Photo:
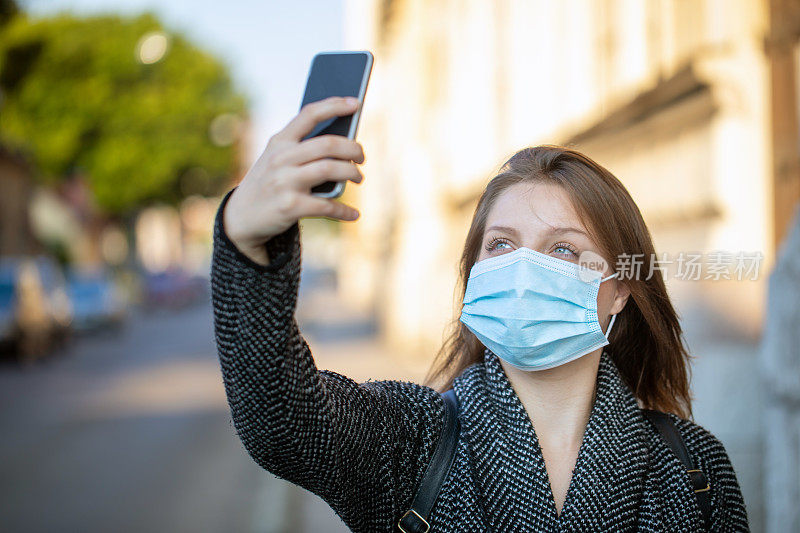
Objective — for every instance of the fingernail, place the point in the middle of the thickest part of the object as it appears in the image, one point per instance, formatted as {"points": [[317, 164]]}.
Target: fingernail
{"points": [[351, 101]]}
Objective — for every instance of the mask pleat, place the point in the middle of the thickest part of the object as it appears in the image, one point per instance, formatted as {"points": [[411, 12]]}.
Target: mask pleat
{"points": [[532, 309]]}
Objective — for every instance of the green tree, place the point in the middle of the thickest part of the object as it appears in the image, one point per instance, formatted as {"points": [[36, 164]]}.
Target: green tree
{"points": [[97, 95]]}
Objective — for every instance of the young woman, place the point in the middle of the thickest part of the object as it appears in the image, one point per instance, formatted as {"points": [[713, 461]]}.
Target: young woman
{"points": [[552, 433]]}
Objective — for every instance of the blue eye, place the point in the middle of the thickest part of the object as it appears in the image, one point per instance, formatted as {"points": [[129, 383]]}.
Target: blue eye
{"points": [[491, 245], [566, 249]]}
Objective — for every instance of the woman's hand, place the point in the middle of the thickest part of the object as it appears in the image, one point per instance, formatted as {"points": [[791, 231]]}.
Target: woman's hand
{"points": [[276, 192]]}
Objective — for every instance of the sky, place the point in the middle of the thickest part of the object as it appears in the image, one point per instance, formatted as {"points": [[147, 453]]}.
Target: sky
{"points": [[268, 44]]}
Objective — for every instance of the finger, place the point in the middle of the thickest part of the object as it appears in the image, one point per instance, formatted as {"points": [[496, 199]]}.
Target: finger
{"points": [[335, 146], [311, 114], [323, 170], [313, 206]]}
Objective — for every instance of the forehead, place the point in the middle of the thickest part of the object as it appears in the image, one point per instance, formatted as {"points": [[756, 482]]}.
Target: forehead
{"points": [[535, 206]]}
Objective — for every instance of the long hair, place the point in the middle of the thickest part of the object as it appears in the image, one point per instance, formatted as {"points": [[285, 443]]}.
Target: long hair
{"points": [[646, 343]]}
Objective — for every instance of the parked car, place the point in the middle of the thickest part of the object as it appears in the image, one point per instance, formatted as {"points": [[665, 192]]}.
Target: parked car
{"points": [[96, 301], [35, 314], [7, 308], [174, 289], [55, 287]]}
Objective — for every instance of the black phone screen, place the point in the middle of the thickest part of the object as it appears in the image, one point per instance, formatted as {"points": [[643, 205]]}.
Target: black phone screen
{"points": [[334, 75]]}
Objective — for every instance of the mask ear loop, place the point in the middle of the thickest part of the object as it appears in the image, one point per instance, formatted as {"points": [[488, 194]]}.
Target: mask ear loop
{"points": [[614, 275], [613, 317], [610, 323]]}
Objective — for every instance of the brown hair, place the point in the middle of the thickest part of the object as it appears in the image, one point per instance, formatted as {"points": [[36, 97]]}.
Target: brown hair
{"points": [[646, 343]]}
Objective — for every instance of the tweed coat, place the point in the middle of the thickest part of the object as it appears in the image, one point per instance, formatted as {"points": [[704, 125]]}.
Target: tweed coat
{"points": [[364, 447]]}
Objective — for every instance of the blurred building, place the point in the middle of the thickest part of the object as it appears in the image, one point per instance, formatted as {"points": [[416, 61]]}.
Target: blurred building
{"points": [[176, 238], [691, 103]]}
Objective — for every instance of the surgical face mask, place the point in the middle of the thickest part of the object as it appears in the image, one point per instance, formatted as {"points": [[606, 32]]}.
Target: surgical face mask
{"points": [[533, 310]]}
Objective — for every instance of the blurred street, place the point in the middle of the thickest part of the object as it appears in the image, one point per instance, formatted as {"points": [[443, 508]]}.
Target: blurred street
{"points": [[130, 431]]}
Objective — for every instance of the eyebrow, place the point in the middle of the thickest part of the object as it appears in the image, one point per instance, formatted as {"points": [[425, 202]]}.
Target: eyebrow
{"points": [[513, 231]]}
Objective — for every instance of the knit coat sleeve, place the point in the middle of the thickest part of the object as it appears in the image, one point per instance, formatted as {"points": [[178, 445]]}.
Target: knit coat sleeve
{"points": [[362, 447], [728, 510]]}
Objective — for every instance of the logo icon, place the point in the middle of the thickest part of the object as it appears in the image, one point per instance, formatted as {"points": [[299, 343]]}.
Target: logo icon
{"points": [[592, 261]]}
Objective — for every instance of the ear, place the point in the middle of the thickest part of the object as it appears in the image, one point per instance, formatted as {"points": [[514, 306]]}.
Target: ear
{"points": [[620, 297]]}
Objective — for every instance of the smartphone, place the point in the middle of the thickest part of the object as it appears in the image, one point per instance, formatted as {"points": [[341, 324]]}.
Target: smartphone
{"points": [[341, 73]]}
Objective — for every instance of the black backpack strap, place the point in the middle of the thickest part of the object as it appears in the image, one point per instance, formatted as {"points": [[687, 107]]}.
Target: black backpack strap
{"points": [[415, 520], [673, 438]]}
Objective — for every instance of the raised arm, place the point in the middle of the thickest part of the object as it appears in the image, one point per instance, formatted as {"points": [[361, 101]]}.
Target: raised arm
{"points": [[362, 447]]}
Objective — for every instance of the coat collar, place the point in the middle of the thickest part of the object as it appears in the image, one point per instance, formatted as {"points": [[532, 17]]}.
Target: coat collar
{"points": [[611, 472]]}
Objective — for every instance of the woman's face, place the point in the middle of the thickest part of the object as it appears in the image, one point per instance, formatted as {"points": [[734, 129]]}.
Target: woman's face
{"points": [[540, 216]]}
